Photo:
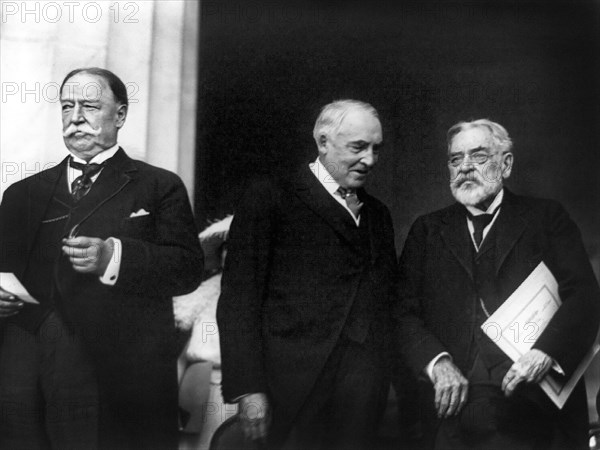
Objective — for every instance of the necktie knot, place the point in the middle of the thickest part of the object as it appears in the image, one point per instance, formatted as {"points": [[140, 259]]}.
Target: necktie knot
{"points": [[83, 183], [352, 201], [479, 223], [482, 220], [346, 192], [87, 169]]}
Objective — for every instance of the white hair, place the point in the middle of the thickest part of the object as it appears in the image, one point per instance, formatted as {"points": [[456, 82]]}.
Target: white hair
{"points": [[332, 115], [500, 137]]}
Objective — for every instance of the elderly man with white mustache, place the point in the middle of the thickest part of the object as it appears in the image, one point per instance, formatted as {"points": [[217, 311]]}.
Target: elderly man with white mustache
{"points": [[459, 264], [103, 242]]}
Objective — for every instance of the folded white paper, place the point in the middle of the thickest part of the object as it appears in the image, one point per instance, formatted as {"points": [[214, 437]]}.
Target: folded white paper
{"points": [[519, 321], [9, 282]]}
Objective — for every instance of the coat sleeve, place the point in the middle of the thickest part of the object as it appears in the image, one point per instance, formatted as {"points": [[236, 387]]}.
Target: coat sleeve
{"points": [[171, 263], [573, 328], [12, 244], [418, 345], [243, 291]]}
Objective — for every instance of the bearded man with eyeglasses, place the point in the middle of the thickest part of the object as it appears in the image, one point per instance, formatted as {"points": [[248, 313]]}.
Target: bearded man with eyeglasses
{"points": [[459, 264]]}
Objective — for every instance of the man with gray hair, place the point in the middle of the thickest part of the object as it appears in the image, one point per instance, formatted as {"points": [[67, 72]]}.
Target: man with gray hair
{"points": [[306, 294], [459, 264], [102, 242]]}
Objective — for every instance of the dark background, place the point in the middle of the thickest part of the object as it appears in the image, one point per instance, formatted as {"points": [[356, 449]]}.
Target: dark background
{"points": [[266, 68]]}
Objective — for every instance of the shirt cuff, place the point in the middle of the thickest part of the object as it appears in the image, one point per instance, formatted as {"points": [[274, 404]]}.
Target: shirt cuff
{"points": [[429, 367], [556, 367], [111, 274]]}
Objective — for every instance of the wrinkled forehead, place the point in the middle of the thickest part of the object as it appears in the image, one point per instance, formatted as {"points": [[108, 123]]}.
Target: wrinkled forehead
{"points": [[471, 139], [85, 86]]}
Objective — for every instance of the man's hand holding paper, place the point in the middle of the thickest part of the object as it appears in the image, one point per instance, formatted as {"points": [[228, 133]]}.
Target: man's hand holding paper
{"points": [[9, 304], [531, 307], [12, 295], [530, 368]]}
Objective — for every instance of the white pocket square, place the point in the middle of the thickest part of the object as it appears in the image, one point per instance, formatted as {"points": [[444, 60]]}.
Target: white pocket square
{"points": [[141, 212]]}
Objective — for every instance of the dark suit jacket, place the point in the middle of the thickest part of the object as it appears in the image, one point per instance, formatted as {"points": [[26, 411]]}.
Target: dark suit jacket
{"points": [[128, 328], [438, 295], [291, 277]]}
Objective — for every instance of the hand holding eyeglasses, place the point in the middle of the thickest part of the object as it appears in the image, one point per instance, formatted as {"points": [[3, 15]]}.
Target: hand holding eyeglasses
{"points": [[88, 254]]}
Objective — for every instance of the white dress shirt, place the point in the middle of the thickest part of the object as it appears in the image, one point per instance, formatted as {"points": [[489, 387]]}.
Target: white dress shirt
{"points": [[111, 274], [325, 178], [477, 212]]}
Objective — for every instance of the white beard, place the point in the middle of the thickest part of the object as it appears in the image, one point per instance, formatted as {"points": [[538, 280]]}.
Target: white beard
{"points": [[474, 191]]}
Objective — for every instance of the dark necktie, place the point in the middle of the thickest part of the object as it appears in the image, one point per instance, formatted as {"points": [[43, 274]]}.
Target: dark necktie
{"points": [[354, 204], [83, 183], [479, 223]]}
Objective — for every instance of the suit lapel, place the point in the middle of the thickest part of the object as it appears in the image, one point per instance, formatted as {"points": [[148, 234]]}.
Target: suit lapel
{"points": [[39, 198], [113, 178], [509, 226], [456, 236], [308, 188]]}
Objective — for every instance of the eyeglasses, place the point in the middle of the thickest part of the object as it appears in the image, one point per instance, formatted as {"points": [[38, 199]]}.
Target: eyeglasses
{"points": [[475, 158]]}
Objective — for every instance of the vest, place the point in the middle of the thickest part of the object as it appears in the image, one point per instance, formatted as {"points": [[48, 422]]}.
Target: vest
{"points": [[39, 277], [358, 322], [488, 297]]}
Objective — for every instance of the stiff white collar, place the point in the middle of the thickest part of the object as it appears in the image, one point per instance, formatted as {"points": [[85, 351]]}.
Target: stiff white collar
{"points": [[324, 176], [100, 157], [494, 205]]}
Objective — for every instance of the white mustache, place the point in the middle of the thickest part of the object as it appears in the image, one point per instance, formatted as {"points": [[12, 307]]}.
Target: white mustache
{"points": [[72, 129], [460, 181]]}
